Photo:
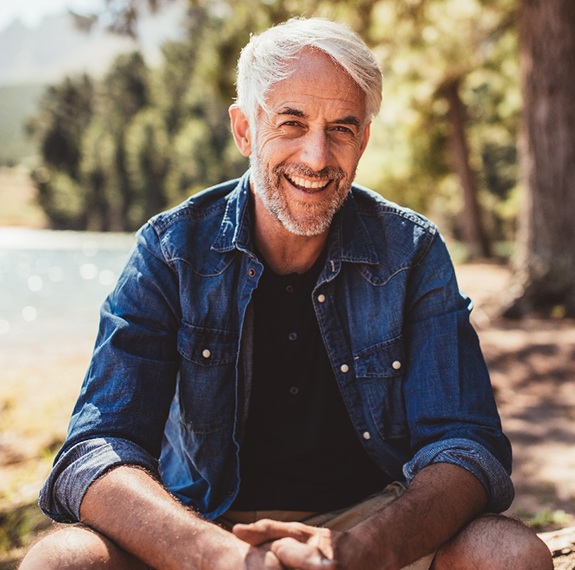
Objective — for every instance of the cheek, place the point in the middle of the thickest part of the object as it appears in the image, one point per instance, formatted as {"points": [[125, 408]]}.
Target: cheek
{"points": [[274, 148], [352, 155]]}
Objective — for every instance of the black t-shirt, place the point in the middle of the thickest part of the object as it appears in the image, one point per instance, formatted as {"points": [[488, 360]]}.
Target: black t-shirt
{"points": [[300, 451]]}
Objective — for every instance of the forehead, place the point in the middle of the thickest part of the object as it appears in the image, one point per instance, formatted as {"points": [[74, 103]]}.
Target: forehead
{"points": [[317, 83]]}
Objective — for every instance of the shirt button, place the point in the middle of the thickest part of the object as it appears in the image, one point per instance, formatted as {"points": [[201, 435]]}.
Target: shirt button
{"points": [[206, 353], [252, 272], [344, 368], [321, 298], [292, 336], [290, 289], [396, 365], [366, 435], [294, 390]]}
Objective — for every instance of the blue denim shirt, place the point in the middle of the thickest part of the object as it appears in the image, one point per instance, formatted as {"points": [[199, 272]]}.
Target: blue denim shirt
{"points": [[168, 386]]}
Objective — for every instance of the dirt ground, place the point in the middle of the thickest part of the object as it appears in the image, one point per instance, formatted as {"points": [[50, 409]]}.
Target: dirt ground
{"points": [[532, 365]]}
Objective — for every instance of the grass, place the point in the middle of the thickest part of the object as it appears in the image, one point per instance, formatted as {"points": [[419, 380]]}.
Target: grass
{"points": [[18, 526]]}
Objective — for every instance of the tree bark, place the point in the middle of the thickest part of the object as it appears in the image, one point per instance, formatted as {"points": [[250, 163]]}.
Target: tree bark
{"points": [[544, 276], [471, 225]]}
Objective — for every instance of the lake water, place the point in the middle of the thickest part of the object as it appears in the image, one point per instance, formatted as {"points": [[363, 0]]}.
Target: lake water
{"points": [[52, 283]]}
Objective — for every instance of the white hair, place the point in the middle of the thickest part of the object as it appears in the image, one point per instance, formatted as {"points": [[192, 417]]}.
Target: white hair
{"points": [[266, 59]]}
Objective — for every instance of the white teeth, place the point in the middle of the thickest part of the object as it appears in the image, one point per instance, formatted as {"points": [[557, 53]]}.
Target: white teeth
{"points": [[304, 183]]}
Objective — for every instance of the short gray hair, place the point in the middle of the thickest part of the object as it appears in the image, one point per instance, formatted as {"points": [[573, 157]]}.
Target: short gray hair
{"points": [[265, 60]]}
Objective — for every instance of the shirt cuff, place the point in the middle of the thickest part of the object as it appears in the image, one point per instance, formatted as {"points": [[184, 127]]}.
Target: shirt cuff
{"points": [[77, 468], [473, 457]]}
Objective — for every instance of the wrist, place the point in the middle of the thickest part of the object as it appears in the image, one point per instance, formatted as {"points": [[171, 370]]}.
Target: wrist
{"points": [[220, 550], [366, 548], [224, 551]]}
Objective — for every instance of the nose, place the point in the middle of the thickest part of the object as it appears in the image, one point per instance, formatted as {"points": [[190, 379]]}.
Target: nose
{"points": [[315, 151]]}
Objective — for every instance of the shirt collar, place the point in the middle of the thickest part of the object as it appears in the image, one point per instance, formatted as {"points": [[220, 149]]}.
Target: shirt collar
{"points": [[348, 239], [235, 229]]}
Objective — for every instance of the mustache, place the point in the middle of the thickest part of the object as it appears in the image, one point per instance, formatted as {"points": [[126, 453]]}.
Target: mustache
{"points": [[297, 169]]}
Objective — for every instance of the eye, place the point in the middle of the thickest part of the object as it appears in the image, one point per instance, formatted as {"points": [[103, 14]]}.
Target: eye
{"points": [[343, 129], [291, 124]]}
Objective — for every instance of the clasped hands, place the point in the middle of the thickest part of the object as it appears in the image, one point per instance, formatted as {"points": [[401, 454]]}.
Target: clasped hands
{"points": [[296, 545]]}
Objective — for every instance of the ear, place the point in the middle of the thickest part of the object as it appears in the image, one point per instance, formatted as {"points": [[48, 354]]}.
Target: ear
{"points": [[241, 130]]}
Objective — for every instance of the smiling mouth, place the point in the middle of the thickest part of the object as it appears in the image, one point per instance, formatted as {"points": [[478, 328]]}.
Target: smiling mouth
{"points": [[308, 185]]}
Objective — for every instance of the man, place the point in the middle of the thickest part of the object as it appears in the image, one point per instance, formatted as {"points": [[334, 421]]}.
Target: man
{"points": [[291, 348]]}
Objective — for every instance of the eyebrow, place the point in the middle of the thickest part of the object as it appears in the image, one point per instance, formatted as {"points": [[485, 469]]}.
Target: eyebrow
{"points": [[348, 120]]}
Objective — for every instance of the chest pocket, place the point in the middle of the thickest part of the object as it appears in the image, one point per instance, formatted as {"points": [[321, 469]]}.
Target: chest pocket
{"points": [[206, 387], [380, 370]]}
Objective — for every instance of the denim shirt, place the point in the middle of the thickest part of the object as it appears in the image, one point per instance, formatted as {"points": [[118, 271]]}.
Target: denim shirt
{"points": [[169, 382]]}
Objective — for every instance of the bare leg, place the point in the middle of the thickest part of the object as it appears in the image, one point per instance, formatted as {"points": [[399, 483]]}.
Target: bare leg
{"points": [[76, 548], [494, 542]]}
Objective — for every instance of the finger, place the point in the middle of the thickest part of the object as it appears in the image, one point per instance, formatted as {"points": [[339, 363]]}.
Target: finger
{"points": [[262, 559], [323, 540], [295, 554], [266, 530]]}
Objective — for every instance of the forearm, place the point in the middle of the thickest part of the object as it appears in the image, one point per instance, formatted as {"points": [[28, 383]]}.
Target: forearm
{"points": [[130, 507], [441, 499]]}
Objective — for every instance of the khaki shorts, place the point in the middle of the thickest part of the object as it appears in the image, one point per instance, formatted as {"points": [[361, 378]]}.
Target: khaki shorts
{"points": [[341, 520]]}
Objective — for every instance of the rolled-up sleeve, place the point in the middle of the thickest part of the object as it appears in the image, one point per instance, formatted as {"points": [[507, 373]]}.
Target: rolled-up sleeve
{"points": [[79, 466], [449, 399], [474, 458]]}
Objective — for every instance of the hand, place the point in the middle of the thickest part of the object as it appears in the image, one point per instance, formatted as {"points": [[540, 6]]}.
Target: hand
{"points": [[231, 553], [261, 558], [295, 545]]}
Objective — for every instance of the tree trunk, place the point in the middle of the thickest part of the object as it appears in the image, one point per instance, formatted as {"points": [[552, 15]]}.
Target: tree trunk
{"points": [[471, 225], [544, 277]]}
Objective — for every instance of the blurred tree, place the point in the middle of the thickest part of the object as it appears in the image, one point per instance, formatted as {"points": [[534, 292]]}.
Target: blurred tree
{"points": [[96, 169], [545, 264], [147, 158], [122, 94], [194, 100], [433, 56], [424, 55], [64, 112]]}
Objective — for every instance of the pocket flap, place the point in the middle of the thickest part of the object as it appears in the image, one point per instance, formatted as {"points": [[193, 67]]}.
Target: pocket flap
{"points": [[207, 347], [382, 360]]}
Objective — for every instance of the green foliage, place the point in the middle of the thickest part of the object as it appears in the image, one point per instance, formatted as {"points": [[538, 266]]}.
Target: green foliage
{"points": [[147, 160], [146, 138], [546, 519], [61, 197], [17, 526]]}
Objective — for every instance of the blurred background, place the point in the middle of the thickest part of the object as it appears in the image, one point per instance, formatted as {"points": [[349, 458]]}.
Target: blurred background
{"points": [[113, 110]]}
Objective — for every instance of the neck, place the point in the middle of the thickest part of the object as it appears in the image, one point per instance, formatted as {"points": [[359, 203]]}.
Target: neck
{"points": [[284, 251], [295, 256]]}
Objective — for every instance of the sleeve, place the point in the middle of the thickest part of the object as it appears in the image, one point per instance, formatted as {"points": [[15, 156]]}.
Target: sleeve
{"points": [[124, 402], [79, 466], [449, 399]]}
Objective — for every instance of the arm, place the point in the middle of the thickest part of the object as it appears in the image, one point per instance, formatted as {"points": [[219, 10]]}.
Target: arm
{"points": [[131, 508], [440, 501], [124, 401], [450, 407]]}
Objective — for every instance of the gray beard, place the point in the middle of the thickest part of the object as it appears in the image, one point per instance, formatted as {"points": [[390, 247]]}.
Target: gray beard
{"points": [[317, 218]]}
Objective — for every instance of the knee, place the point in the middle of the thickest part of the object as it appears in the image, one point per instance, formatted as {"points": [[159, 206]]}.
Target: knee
{"points": [[70, 548], [494, 542]]}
